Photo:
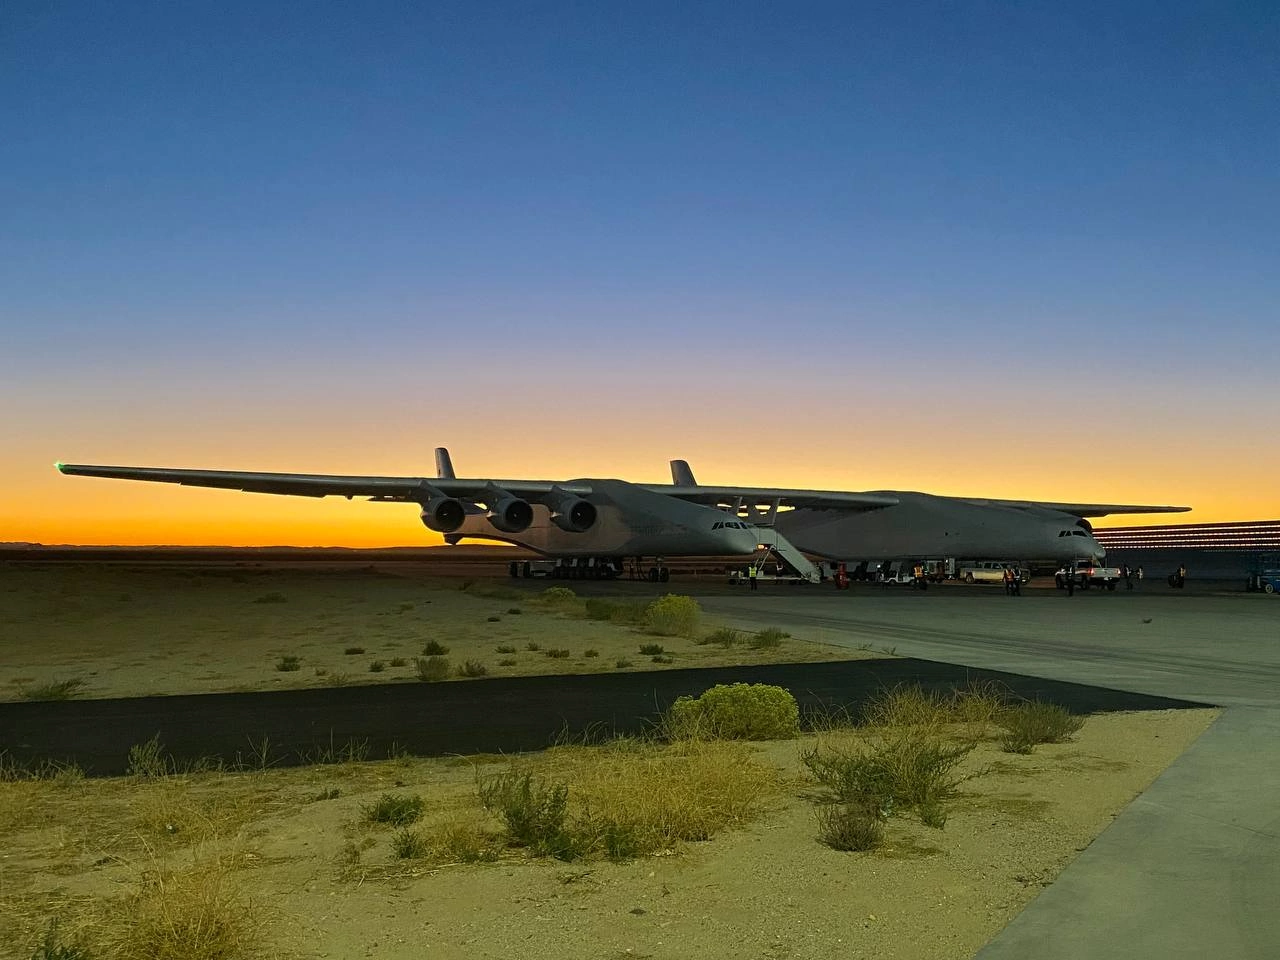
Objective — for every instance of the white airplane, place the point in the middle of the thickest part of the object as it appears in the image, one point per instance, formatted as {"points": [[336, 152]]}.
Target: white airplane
{"points": [[617, 519]]}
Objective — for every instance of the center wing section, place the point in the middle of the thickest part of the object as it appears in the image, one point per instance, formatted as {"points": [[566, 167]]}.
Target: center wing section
{"points": [[394, 489], [732, 497]]}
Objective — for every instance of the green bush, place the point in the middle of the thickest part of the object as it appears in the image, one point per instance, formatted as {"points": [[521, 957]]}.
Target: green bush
{"points": [[505, 648], [673, 616], [1027, 724], [54, 690], [533, 647], [589, 654], [849, 826], [288, 663], [622, 663], [534, 813], [514, 611], [353, 651], [554, 596], [598, 608], [652, 649], [377, 666], [397, 809], [434, 648], [739, 711], [432, 668], [473, 668], [557, 654], [507, 662], [399, 662], [663, 659]]}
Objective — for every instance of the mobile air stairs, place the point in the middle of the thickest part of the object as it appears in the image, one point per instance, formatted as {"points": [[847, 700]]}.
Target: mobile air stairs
{"points": [[774, 544]]}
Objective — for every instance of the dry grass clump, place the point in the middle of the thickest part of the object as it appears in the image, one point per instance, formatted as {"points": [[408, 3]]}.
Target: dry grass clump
{"points": [[54, 689], [627, 798], [770, 638], [432, 669], [1028, 724], [193, 914], [614, 611], [975, 707]]}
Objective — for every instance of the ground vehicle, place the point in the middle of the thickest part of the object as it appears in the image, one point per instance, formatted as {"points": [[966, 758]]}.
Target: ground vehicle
{"points": [[989, 571], [1087, 574], [1264, 575]]}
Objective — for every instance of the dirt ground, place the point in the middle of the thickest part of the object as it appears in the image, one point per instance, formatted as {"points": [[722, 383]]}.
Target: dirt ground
{"points": [[145, 630], [329, 884], [292, 847]]}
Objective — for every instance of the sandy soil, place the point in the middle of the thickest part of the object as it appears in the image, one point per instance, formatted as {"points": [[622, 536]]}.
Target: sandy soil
{"points": [[766, 889], [144, 630]]}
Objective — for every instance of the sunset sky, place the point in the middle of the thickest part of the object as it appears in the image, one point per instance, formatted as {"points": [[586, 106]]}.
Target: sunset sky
{"points": [[1025, 251]]}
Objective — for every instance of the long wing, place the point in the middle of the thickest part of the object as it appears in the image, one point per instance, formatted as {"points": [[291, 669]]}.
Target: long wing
{"points": [[325, 485], [813, 499], [1082, 509]]}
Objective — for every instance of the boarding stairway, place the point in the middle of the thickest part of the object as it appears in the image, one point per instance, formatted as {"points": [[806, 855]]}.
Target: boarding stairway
{"points": [[772, 543]]}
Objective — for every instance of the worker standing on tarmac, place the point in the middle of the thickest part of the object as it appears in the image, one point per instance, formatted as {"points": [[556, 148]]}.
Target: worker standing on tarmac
{"points": [[753, 576]]}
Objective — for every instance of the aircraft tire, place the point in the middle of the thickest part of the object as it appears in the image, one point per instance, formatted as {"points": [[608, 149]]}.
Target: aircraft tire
{"points": [[653, 574], [1269, 588], [664, 574], [968, 578]]}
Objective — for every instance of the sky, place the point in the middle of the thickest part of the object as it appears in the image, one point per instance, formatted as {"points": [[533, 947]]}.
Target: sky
{"points": [[1019, 251]]}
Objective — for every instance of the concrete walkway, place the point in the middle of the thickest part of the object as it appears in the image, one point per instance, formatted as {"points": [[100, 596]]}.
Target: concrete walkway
{"points": [[1192, 867]]}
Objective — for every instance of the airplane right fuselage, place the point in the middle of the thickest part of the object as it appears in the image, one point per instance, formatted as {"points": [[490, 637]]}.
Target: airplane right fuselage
{"points": [[921, 525]]}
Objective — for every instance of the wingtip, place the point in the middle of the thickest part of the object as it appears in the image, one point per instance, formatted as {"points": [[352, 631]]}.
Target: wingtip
{"points": [[60, 467]]}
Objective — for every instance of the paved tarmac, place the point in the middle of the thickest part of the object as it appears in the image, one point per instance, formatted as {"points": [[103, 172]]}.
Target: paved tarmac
{"points": [[1192, 867], [500, 715]]}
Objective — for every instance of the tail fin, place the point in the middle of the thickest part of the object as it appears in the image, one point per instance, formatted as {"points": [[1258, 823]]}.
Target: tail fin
{"points": [[444, 466], [681, 475]]}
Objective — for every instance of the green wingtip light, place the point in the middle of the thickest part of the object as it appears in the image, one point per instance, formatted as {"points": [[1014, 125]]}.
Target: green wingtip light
{"points": [[58, 466]]}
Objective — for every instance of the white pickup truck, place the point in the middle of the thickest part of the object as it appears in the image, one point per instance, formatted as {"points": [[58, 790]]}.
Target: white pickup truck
{"points": [[1087, 573]]}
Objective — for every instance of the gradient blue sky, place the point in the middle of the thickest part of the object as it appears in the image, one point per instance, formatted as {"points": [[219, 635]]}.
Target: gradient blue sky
{"points": [[582, 238]]}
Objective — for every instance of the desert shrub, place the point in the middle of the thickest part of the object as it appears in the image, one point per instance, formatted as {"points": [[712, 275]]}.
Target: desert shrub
{"points": [[910, 769], [506, 648], [769, 638], [724, 637], [493, 619], [409, 845], [739, 711], [557, 653], [663, 659], [54, 690], [399, 662], [147, 761], [465, 843], [404, 607], [431, 668], [271, 598], [514, 611], [622, 663], [554, 596], [397, 809], [534, 812], [333, 793], [353, 651], [673, 616], [377, 666], [338, 679], [288, 663], [534, 647], [590, 654], [433, 648], [473, 668], [1027, 724], [910, 705], [507, 662], [652, 649], [849, 826]]}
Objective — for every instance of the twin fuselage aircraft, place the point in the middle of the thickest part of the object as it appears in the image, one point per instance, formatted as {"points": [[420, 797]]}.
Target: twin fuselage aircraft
{"points": [[619, 519]]}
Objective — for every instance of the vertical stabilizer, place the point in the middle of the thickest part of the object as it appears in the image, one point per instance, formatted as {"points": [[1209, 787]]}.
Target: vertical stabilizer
{"points": [[444, 466], [681, 475]]}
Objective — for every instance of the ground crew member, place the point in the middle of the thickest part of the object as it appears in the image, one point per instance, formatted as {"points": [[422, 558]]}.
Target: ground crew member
{"points": [[1008, 582], [752, 574]]}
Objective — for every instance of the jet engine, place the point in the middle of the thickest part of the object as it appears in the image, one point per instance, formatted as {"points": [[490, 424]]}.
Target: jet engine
{"points": [[510, 514], [443, 514], [572, 514]]}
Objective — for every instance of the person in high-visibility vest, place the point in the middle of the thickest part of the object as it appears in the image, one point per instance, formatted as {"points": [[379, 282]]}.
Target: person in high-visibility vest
{"points": [[753, 573]]}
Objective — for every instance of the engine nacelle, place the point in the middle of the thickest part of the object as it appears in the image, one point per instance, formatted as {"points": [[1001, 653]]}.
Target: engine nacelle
{"points": [[443, 514], [510, 514], [573, 514]]}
